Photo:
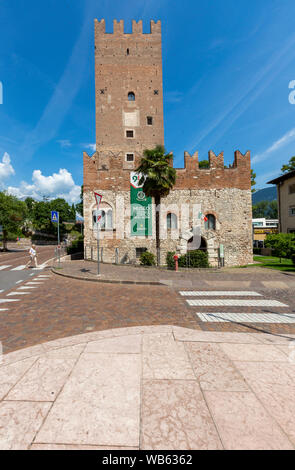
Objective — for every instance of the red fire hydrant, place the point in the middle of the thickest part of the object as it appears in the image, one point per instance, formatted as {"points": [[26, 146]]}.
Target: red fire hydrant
{"points": [[175, 257]]}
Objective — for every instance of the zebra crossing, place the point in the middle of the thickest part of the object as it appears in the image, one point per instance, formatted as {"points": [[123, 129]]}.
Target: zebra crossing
{"points": [[5, 267], [229, 299], [23, 290]]}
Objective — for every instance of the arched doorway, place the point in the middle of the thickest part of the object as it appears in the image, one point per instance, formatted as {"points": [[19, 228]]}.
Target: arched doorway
{"points": [[192, 244]]}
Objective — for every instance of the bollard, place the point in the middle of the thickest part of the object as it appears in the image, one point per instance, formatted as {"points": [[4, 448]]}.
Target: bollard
{"points": [[101, 255], [175, 257], [91, 253], [117, 256]]}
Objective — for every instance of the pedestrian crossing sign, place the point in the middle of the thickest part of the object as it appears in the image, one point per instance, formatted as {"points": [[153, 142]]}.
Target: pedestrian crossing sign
{"points": [[54, 216]]}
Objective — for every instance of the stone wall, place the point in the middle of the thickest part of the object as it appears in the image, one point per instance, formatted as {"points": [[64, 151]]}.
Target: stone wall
{"points": [[232, 208]]}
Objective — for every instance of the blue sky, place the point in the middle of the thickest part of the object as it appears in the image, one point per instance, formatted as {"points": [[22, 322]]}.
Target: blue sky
{"points": [[227, 66]]}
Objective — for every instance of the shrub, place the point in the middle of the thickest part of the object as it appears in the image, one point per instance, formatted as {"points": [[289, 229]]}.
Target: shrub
{"points": [[293, 258], [169, 259], [77, 246], [282, 244], [193, 259], [147, 259]]}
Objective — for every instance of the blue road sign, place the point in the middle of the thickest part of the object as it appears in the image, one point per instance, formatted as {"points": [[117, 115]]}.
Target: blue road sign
{"points": [[54, 216]]}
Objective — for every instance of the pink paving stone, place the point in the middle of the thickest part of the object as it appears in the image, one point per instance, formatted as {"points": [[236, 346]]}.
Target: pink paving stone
{"points": [[122, 344], [244, 424], [175, 416], [213, 369], [10, 374], [19, 422], [253, 352], [164, 358], [99, 404], [279, 402], [279, 373]]}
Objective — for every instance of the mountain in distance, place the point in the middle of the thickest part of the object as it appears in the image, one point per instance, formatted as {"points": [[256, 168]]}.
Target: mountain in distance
{"points": [[265, 194]]}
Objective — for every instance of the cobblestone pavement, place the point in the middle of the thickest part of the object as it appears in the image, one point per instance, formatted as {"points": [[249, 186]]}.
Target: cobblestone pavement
{"points": [[148, 388], [56, 307]]}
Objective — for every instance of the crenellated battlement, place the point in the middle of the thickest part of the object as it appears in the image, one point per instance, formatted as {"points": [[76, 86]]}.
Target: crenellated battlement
{"points": [[112, 171], [118, 27]]}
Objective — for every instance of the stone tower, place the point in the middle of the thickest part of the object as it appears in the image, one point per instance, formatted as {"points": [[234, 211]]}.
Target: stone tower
{"points": [[129, 91]]}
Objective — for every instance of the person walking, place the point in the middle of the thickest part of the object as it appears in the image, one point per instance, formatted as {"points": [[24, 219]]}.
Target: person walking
{"points": [[33, 257]]}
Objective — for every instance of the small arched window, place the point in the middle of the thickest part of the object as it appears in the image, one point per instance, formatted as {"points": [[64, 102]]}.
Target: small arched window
{"points": [[105, 221], [127, 52], [171, 221], [131, 96], [210, 224]]}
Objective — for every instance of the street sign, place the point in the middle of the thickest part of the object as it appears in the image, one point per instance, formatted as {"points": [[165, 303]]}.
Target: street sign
{"points": [[54, 216], [98, 198]]}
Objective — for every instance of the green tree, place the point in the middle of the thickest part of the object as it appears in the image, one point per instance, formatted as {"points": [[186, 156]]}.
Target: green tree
{"points": [[158, 178], [260, 209], [265, 209], [253, 181], [204, 164], [290, 166], [282, 244], [12, 215], [79, 205], [272, 212]]}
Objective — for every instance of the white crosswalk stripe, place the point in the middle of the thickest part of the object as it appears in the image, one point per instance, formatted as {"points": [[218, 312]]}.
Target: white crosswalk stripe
{"points": [[27, 287], [5, 267], [219, 293], [19, 268], [2, 301], [234, 317], [235, 303], [17, 293], [247, 317]]}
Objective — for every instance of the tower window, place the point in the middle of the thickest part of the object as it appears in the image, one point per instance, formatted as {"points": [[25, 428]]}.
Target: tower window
{"points": [[156, 92], [149, 120], [129, 157], [130, 134], [101, 91], [127, 52], [171, 221], [131, 96]]}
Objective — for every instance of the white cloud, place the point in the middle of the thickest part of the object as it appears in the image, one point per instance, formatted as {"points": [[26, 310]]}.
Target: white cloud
{"points": [[6, 169], [59, 184], [286, 139], [90, 146], [64, 143]]}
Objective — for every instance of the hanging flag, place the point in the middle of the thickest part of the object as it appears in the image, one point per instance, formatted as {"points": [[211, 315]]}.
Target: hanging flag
{"points": [[203, 217]]}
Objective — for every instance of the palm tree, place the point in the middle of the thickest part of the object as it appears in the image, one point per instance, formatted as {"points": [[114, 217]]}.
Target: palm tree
{"points": [[158, 178]]}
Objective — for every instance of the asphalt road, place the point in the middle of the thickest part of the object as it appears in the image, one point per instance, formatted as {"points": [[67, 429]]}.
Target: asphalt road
{"points": [[12, 262]]}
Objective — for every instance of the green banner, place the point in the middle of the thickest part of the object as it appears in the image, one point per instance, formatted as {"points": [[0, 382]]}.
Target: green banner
{"points": [[141, 208]]}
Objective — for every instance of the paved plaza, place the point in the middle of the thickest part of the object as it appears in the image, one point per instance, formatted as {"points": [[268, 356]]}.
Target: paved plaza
{"points": [[196, 360]]}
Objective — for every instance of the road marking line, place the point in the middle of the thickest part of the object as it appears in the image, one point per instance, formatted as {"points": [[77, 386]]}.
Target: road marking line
{"points": [[235, 303], [8, 300], [17, 293], [247, 318], [21, 280], [34, 283], [3, 309], [19, 268], [29, 287], [218, 293], [4, 267], [1, 290]]}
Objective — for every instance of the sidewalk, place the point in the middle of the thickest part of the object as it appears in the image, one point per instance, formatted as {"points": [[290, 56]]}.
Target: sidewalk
{"points": [[122, 274], [157, 387]]}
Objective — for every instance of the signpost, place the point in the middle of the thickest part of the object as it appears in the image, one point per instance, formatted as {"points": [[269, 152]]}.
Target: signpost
{"points": [[98, 198], [55, 219]]}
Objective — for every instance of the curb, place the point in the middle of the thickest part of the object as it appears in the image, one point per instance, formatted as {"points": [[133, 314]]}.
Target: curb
{"points": [[109, 281]]}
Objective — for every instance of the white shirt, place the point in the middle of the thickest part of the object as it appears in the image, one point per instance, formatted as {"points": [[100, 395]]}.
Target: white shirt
{"points": [[32, 252]]}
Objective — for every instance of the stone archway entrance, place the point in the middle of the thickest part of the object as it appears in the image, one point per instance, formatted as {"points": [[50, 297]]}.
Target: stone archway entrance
{"points": [[192, 246]]}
